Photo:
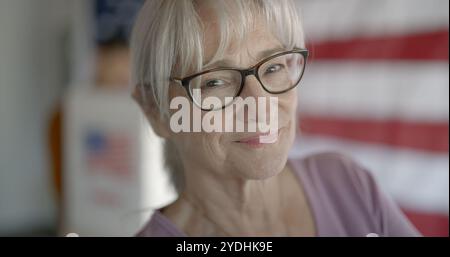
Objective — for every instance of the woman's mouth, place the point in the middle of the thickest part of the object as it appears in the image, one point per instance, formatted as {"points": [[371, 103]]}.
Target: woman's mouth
{"points": [[260, 140]]}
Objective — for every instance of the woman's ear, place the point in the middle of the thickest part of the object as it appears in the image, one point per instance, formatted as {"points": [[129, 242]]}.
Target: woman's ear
{"points": [[151, 111]]}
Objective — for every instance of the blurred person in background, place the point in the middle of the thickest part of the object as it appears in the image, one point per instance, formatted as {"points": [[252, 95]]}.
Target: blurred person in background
{"points": [[234, 184]]}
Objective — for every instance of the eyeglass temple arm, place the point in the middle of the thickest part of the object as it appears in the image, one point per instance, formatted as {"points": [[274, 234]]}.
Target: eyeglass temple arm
{"points": [[177, 80]]}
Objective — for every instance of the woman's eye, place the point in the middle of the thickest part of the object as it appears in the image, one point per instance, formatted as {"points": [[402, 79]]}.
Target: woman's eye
{"points": [[274, 68], [214, 83]]}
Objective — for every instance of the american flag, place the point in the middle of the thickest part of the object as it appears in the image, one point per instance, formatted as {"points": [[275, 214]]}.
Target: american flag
{"points": [[377, 88], [108, 154]]}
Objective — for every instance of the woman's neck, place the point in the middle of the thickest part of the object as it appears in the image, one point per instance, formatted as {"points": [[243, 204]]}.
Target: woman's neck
{"points": [[234, 205]]}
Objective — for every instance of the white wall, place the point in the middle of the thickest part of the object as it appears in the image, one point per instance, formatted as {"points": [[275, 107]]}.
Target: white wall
{"points": [[35, 42]]}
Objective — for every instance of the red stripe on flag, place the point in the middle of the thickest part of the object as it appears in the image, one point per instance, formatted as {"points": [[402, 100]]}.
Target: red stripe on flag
{"points": [[429, 224], [424, 46], [416, 135]]}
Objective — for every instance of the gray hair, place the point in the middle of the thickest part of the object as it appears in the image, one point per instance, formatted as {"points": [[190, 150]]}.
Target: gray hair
{"points": [[168, 37]]}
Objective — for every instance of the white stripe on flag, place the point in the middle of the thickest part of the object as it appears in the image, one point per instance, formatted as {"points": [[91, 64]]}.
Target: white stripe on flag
{"points": [[406, 90], [324, 19]]}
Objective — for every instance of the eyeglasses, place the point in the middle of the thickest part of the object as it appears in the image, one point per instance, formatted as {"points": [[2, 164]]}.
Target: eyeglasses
{"points": [[277, 74]]}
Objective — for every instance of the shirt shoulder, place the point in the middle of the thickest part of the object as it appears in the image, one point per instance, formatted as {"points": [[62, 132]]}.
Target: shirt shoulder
{"points": [[351, 198], [339, 172], [159, 226]]}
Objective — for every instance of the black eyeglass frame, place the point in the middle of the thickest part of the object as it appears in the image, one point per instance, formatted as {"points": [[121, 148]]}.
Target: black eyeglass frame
{"points": [[184, 82]]}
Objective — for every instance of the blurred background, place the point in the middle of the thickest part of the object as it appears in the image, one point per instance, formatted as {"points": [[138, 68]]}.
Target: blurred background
{"points": [[76, 155]]}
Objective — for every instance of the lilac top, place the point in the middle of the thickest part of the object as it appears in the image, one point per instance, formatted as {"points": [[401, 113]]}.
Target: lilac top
{"points": [[343, 196]]}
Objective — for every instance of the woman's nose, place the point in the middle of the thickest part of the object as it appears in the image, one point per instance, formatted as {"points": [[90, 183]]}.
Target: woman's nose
{"points": [[262, 99], [253, 88]]}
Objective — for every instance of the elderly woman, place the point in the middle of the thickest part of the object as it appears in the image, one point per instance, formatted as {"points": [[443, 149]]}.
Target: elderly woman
{"points": [[236, 183]]}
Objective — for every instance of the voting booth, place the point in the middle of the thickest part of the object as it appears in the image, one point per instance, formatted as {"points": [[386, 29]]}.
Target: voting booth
{"points": [[114, 173]]}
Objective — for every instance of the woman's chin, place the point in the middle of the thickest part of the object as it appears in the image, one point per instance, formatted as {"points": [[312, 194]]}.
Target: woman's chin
{"points": [[261, 170], [261, 164]]}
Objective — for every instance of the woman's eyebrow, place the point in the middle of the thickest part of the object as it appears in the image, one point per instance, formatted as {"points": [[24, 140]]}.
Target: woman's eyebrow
{"points": [[269, 52], [229, 63], [219, 63]]}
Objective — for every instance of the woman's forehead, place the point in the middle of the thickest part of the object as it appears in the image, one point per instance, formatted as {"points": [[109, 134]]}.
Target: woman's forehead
{"points": [[258, 43]]}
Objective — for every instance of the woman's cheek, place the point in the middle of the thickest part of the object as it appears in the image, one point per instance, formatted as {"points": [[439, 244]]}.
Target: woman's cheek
{"points": [[212, 146]]}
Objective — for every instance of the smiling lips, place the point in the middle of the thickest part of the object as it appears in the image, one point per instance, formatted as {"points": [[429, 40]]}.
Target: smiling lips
{"points": [[260, 140]]}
